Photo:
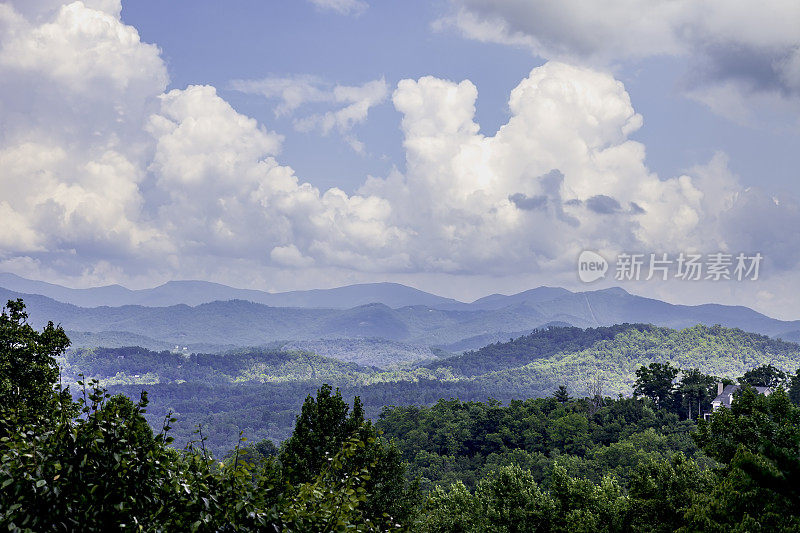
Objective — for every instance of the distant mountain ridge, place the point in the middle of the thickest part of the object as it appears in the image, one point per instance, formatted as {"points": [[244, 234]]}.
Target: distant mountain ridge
{"points": [[455, 327], [199, 292], [193, 293]]}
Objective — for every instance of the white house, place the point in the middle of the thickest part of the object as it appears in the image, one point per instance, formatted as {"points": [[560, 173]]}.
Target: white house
{"points": [[725, 396]]}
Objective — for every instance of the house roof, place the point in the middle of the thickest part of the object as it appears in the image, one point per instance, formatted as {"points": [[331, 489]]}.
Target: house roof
{"points": [[727, 394]]}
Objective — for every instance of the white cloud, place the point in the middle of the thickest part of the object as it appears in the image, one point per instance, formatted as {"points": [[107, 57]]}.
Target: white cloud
{"points": [[352, 103], [343, 7], [357, 102], [82, 50], [74, 89], [39, 10], [223, 193], [293, 91], [565, 143], [290, 256], [736, 49]]}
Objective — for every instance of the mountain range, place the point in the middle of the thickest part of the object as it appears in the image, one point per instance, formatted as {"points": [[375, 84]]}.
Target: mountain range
{"points": [[392, 312], [200, 292]]}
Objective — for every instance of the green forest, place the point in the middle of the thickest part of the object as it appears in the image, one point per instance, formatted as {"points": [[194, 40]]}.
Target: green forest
{"points": [[258, 391], [489, 440]]}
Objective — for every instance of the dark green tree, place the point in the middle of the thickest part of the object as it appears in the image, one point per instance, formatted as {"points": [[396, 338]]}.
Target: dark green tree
{"points": [[662, 491], [794, 388], [28, 369], [324, 423], [695, 390], [764, 376], [655, 381], [561, 394]]}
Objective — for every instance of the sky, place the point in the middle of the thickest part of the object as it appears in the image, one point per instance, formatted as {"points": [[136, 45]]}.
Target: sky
{"points": [[464, 147]]}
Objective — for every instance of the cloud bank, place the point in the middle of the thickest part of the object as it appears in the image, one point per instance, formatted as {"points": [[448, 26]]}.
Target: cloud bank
{"points": [[106, 177]]}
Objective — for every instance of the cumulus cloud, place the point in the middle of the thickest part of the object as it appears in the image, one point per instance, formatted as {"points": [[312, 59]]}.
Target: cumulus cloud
{"points": [[99, 164], [228, 195], [477, 198], [736, 50], [72, 150], [352, 103]]}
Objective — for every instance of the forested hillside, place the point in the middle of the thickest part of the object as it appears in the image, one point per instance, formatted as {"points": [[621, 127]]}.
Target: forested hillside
{"points": [[539, 344], [256, 390], [120, 366], [462, 441], [715, 350]]}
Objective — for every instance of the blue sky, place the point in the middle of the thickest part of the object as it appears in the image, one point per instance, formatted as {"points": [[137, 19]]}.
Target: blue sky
{"points": [[464, 147]]}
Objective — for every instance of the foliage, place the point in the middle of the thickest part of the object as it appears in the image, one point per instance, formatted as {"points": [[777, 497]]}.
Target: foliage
{"points": [[655, 381], [103, 468], [757, 441], [322, 426], [764, 376], [509, 500], [462, 441], [540, 344], [662, 491], [794, 387], [695, 390], [259, 391], [561, 394], [28, 368]]}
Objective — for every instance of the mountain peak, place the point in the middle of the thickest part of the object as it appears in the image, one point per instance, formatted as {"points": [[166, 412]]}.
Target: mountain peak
{"points": [[612, 291]]}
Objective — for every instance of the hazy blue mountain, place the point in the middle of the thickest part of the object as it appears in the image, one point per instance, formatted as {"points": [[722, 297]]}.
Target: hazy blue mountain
{"points": [[479, 341], [115, 339], [393, 295], [791, 336], [199, 292], [532, 296], [245, 323], [93, 297], [616, 306]]}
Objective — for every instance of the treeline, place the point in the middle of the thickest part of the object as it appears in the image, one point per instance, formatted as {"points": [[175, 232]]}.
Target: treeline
{"points": [[268, 410], [464, 441]]}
